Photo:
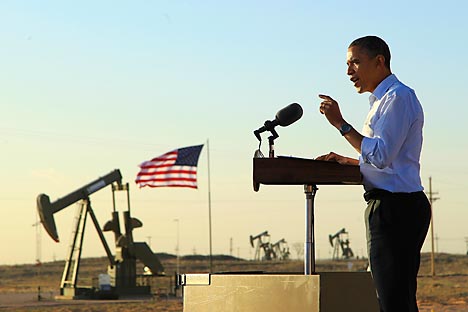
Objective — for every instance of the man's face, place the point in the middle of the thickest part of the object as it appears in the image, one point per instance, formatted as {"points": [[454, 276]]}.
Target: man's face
{"points": [[363, 71]]}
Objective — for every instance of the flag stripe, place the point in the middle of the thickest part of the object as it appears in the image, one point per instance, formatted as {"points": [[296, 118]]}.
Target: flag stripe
{"points": [[167, 168], [150, 173], [168, 180], [168, 185], [192, 175]]}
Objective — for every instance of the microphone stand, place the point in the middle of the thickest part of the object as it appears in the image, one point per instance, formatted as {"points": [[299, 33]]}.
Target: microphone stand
{"points": [[271, 143]]}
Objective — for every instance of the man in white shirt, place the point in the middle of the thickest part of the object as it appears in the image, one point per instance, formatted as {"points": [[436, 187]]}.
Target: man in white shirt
{"points": [[398, 212]]}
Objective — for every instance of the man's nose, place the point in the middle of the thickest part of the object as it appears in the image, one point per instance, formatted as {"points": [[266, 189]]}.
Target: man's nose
{"points": [[350, 71]]}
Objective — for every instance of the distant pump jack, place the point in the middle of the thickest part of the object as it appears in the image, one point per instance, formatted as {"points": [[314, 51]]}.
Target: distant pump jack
{"points": [[338, 241]]}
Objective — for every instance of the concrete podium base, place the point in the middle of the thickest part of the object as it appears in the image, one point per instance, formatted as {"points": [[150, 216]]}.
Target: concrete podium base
{"points": [[322, 292]]}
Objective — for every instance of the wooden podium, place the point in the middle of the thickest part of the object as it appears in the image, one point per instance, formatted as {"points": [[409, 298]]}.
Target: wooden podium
{"points": [[300, 171], [311, 292]]}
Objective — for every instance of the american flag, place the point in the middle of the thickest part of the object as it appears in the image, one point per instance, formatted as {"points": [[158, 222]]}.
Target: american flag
{"points": [[177, 168]]}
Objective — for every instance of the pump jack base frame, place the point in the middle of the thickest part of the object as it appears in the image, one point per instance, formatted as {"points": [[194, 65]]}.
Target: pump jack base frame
{"points": [[91, 293], [320, 292], [86, 293]]}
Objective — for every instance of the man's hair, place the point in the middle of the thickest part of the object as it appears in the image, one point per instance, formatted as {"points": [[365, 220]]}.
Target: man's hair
{"points": [[373, 46]]}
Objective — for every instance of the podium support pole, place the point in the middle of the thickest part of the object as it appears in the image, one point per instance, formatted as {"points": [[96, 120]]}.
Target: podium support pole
{"points": [[309, 249]]}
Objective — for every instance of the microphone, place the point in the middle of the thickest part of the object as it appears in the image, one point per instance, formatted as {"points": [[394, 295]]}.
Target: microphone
{"points": [[289, 114], [284, 117]]}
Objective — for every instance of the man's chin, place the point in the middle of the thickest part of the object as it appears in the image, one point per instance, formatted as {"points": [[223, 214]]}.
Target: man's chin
{"points": [[359, 89]]}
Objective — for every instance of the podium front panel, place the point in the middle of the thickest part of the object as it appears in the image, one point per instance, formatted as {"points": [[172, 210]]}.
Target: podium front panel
{"points": [[323, 292]]}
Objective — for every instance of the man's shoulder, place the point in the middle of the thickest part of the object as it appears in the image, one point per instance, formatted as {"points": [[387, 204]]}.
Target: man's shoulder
{"points": [[398, 88], [402, 98]]}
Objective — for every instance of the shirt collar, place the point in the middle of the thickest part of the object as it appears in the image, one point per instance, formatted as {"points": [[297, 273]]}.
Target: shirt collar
{"points": [[382, 88]]}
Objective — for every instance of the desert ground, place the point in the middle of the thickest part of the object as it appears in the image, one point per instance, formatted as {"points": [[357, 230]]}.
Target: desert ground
{"points": [[29, 287]]}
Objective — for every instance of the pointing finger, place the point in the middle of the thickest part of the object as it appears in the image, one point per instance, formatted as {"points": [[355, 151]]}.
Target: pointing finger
{"points": [[325, 97]]}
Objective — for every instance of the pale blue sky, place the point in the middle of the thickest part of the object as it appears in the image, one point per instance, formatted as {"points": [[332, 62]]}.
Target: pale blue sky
{"points": [[91, 86]]}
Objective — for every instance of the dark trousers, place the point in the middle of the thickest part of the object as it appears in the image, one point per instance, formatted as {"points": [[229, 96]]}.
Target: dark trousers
{"points": [[397, 225]]}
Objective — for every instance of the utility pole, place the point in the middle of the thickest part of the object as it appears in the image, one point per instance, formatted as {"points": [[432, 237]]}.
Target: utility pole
{"points": [[431, 200], [38, 226]]}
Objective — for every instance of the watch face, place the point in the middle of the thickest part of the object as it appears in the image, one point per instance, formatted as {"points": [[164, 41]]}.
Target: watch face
{"points": [[345, 128]]}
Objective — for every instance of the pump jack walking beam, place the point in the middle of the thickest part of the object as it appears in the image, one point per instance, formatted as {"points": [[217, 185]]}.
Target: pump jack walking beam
{"points": [[47, 209]]}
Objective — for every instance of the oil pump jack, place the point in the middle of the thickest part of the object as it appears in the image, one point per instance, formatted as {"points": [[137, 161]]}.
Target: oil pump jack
{"points": [[281, 250], [338, 241], [122, 266], [262, 245]]}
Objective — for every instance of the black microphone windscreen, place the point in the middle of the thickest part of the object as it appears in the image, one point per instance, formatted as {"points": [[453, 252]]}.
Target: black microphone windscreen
{"points": [[289, 114]]}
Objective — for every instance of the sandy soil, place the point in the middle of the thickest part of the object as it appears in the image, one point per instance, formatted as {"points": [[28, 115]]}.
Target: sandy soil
{"points": [[427, 307], [29, 302]]}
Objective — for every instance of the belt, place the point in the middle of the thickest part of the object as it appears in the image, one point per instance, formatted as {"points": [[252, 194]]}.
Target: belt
{"points": [[379, 194]]}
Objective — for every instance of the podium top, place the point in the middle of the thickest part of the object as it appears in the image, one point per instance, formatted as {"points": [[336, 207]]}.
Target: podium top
{"points": [[300, 171]]}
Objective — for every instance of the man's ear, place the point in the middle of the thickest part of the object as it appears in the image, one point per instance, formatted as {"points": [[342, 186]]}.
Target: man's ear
{"points": [[381, 59]]}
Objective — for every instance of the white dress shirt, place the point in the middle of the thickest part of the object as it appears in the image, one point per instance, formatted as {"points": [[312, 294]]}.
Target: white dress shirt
{"points": [[391, 148]]}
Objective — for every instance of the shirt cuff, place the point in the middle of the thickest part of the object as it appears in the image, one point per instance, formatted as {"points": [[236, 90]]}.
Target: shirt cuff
{"points": [[367, 147]]}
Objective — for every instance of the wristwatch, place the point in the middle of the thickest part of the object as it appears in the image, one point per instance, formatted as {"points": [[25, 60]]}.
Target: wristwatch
{"points": [[345, 128]]}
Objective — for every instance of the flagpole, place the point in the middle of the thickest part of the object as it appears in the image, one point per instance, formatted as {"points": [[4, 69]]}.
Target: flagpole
{"points": [[209, 203]]}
